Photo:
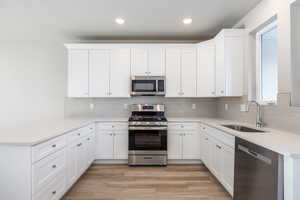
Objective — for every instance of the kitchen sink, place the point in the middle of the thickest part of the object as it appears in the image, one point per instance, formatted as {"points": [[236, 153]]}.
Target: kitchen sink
{"points": [[243, 128]]}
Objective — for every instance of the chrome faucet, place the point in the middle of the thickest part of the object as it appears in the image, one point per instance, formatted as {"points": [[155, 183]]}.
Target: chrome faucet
{"points": [[259, 122]]}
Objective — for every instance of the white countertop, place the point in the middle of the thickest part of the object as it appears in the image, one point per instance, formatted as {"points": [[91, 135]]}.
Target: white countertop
{"points": [[279, 141]]}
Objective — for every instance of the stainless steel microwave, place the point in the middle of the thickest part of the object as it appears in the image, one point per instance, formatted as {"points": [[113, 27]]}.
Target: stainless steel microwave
{"points": [[148, 85]]}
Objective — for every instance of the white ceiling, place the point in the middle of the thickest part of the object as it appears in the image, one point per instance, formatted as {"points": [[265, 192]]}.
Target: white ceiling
{"points": [[94, 19]]}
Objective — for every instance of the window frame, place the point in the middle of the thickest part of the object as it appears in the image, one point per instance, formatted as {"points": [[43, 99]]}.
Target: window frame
{"points": [[265, 29]]}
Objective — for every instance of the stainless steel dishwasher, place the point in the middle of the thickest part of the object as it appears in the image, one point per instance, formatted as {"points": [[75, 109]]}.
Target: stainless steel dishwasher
{"points": [[258, 173]]}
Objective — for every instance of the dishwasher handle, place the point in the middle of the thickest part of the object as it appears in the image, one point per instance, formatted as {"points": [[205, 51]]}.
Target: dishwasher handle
{"points": [[255, 154]]}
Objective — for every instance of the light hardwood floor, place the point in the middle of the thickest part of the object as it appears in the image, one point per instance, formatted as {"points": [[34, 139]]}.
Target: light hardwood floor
{"points": [[120, 182]]}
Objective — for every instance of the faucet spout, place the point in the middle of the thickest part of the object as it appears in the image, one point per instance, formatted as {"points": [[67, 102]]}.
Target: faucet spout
{"points": [[259, 121]]}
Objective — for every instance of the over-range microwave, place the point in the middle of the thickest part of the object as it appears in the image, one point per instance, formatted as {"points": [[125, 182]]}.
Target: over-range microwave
{"points": [[148, 85]]}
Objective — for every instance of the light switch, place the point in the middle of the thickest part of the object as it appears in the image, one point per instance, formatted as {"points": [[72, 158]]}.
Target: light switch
{"points": [[125, 106]]}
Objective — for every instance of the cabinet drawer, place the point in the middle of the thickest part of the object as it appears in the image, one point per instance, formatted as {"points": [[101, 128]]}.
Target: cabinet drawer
{"points": [[47, 169], [42, 150], [112, 126], [54, 190], [84, 131], [219, 135], [182, 126]]}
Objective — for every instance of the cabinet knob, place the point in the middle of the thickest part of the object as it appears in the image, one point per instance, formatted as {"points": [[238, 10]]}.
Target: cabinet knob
{"points": [[54, 145], [53, 166], [218, 146], [79, 144], [78, 134], [213, 93], [222, 91], [88, 139], [54, 192]]}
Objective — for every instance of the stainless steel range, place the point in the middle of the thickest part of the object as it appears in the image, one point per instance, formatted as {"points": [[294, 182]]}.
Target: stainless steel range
{"points": [[148, 129]]}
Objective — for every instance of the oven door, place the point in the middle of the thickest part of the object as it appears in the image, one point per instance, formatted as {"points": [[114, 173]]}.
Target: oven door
{"points": [[143, 87], [147, 138]]}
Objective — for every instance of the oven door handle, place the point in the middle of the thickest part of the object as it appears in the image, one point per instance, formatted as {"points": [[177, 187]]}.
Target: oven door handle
{"points": [[133, 128]]}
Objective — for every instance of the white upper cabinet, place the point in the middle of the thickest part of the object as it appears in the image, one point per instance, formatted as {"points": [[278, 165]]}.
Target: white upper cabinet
{"points": [[148, 61], [120, 73], [107, 69], [78, 73], [206, 71], [99, 61], [139, 65], [156, 61], [188, 72], [230, 62], [173, 72], [181, 67]]}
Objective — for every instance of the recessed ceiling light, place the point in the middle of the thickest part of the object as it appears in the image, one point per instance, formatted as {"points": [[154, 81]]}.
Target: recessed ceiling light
{"points": [[120, 20], [187, 20]]}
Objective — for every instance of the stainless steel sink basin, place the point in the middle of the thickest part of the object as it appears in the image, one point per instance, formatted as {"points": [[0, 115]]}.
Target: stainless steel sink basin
{"points": [[243, 128]]}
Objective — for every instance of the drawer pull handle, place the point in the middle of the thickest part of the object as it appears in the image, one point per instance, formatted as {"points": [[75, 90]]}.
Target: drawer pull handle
{"points": [[54, 192], [79, 144], [78, 134], [54, 145], [53, 166]]}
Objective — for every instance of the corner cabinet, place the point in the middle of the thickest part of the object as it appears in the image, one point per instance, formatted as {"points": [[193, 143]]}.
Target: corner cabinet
{"points": [[230, 61], [78, 73], [206, 69], [181, 68], [98, 72]]}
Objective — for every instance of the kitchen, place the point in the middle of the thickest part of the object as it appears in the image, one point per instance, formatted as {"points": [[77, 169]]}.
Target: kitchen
{"points": [[219, 119]]}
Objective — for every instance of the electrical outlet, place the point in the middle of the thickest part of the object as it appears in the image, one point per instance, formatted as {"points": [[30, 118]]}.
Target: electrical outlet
{"points": [[244, 108], [194, 106], [226, 106], [92, 106]]}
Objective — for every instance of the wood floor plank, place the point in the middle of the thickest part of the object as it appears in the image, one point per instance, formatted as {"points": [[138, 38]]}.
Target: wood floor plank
{"points": [[120, 182]]}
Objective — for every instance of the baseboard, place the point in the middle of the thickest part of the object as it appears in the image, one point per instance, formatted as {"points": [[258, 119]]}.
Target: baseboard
{"points": [[184, 162], [181, 162], [111, 162]]}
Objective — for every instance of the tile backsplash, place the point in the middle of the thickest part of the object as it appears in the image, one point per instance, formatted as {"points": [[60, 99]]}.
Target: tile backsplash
{"points": [[175, 107]]}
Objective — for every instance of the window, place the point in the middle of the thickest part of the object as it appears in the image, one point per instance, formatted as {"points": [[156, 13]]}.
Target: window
{"points": [[267, 64]]}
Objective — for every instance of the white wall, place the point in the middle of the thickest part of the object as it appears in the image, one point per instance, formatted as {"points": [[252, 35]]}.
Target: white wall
{"points": [[32, 81], [263, 12]]}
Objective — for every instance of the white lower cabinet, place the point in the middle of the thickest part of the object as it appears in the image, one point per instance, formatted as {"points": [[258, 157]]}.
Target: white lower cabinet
{"points": [[112, 141], [183, 141], [218, 155]]}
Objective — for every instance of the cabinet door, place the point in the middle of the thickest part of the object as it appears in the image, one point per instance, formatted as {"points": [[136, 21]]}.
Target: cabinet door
{"points": [[78, 73], [174, 145], [72, 163], [99, 73], [206, 70], [82, 157], [156, 61], [189, 72], [120, 73], [121, 145], [173, 72], [216, 165], [191, 145], [206, 150], [220, 66], [139, 65], [105, 145], [90, 143], [228, 168], [234, 65]]}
